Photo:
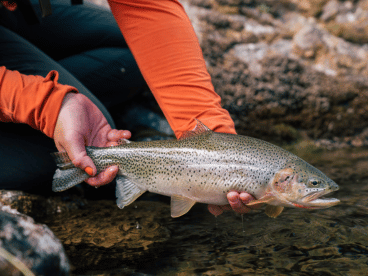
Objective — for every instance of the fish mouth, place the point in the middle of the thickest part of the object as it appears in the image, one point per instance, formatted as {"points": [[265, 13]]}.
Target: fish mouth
{"points": [[317, 201], [320, 203]]}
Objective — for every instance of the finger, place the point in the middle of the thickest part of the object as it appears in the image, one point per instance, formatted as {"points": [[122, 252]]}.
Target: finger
{"points": [[215, 210], [77, 153], [125, 134], [247, 198], [236, 204], [112, 135], [104, 177], [116, 135], [112, 144], [85, 163]]}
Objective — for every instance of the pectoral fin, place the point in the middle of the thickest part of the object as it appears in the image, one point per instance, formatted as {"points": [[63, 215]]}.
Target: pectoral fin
{"points": [[264, 199], [180, 205], [126, 191], [273, 211]]}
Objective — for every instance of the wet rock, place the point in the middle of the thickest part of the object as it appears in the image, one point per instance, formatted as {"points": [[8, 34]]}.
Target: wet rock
{"points": [[251, 54], [39, 206], [354, 31], [363, 4], [257, 14], [231, 2], [29, 247], [358, 140], [310, 7], [263, 32], [346, 20], [202, 3], [330, 10], [291, 23], [218, 20], [283, 94], [104, 236], [308, 41], [330, 54]]}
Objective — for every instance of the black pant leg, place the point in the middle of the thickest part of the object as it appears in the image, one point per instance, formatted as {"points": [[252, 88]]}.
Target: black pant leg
{"points": [[25, 161]]}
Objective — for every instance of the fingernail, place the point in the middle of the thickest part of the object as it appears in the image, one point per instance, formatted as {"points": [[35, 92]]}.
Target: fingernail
{"points": [[89, 170]]}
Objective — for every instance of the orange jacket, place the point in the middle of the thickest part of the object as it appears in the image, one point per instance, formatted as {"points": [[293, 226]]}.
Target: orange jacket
{"points": [[168, 54], [32, 100]]}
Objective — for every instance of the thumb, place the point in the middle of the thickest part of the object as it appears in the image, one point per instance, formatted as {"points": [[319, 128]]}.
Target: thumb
{"points": [[77, 152]]}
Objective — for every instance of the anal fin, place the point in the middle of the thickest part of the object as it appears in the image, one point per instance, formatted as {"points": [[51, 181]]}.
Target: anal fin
{"points": [[126, 191], [273, 211], [180, 205]]}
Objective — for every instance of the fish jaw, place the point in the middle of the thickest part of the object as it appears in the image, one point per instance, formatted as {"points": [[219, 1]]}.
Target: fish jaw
{"points": [[321, 203], [314, 200]]}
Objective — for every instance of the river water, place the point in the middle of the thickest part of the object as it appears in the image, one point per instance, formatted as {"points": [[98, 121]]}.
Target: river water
{"points": [[143, 239]]}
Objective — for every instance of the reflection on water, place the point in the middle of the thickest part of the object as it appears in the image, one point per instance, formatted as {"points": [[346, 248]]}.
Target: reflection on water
{"points": [[104, 240]]}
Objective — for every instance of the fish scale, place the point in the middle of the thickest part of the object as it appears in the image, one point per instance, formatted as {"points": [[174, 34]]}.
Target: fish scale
{"points": [[203, 167]]}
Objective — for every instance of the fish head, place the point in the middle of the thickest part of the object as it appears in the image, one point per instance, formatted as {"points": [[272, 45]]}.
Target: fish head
{"points": [[301, 185]]}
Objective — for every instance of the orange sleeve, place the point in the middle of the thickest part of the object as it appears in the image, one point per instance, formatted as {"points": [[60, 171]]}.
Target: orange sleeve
{"points": [[31, 100], [169, 56]]}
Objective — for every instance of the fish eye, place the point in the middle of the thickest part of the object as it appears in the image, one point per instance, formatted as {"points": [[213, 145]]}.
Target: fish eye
{"points": [[314, 182]]}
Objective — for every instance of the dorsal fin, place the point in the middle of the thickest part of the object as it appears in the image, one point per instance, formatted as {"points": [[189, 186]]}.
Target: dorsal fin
{"points": [[200, 128]]}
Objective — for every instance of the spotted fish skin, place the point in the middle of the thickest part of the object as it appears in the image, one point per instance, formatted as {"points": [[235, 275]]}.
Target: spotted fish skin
{"points": [[202, 167]]}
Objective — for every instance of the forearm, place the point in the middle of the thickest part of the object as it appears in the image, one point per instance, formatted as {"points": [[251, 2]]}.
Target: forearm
{"points": [[32, 100], [168, 54]]}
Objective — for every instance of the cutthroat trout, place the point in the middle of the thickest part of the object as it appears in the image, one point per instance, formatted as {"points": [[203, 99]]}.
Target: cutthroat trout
{"points": [[204, 166]]}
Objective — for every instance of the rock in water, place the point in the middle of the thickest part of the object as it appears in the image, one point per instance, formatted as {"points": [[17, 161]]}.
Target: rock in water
{"points": [[27, 248]]}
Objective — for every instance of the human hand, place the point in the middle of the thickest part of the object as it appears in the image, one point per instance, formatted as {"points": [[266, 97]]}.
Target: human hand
{"points": [[80, 123], [237, 202]]}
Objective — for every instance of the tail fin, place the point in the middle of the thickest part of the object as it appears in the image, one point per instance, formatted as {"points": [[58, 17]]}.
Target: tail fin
{"points": [[67, 175]]}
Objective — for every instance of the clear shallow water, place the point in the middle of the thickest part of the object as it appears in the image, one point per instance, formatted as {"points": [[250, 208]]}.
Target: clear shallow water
{"points": [[143, 239]]}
